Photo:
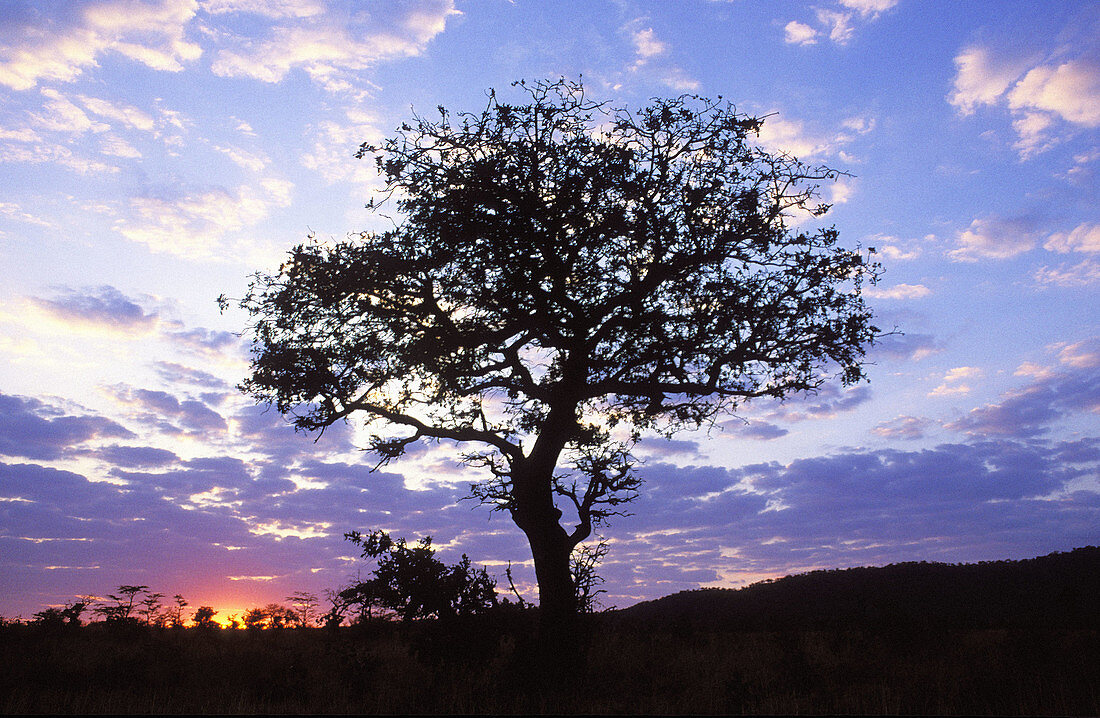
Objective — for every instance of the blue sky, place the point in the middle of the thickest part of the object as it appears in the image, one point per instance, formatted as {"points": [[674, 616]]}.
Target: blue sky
{"points": [[154, 154]]}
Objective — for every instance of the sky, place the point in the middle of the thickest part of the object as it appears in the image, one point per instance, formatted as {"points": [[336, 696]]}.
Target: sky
{"points": [[155, 154]]}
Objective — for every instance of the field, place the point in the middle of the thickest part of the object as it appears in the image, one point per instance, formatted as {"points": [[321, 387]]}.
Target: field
{"points": [[998, 638], [484, 666]]}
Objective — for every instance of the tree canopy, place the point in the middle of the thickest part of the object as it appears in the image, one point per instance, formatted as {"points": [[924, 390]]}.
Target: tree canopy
{"points": [[563, 277]]}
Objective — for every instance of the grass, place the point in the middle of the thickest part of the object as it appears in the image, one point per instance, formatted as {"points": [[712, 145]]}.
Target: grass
{"points": [[485, 666]]}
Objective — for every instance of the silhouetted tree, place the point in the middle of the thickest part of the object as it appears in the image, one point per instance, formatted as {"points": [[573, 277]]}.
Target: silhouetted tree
{"points": [[564, 278], [413, 583], [150, 608], [583, 565], [124, 600], [177, 612], [204, 617], [305, 607]]}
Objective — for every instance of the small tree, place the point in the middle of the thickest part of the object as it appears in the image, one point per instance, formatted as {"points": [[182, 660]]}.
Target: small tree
{"points": [[150, 608], [204, 617], [565, 277], [124, 600], [177, 611], [305, 607], [413, 583]]}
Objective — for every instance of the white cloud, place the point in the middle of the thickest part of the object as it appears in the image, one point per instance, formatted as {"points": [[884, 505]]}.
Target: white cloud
{"points": [[326, 46], [1038, 94], [898, 291], [1083, 274], [646, 44], [1071, 90], [253, 161], [869, 7], [838, 25], [334, 145], [59, 114], [1082, 238], [791, 136], [953, 381], [196, 224], [797, 33], [837, 22], [994, 238], [266, 8], [151, 32], [981, 79], [126, 115], [116, 146]]}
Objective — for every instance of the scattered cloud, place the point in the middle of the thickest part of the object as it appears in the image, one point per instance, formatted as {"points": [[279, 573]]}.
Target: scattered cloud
{"points": [[910, 346], [994, 238], [898, 291], [1044, 96], [1083, 274], [32, 429], [72, 37], [195, 224], [903, 427], [99, 307], [953, 381], [329, 45], [1083, 238], [797, 33], [1031, 410], [837, 22]]}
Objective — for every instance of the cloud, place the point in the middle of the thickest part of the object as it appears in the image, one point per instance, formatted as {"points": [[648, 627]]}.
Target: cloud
{"points": [[1084, 354], [1082, 274], [265, 8], [100, 307], [796, 33], [32, 429], [825, 403], [755, 429], [1084, 237], [69, 38], [327, 46], [649, 48], [903, 427], [167, 413], [646, 44], [1030, 411], [994, 238], [898, 291], [981, 78], [837, 22], [1040, 94], [912, 347], [126, 115], [953, 381], [194, 224]]}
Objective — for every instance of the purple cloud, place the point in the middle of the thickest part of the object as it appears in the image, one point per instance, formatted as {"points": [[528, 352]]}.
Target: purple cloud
{"points": [[1028, 412], [104, 306], [33, 430]]}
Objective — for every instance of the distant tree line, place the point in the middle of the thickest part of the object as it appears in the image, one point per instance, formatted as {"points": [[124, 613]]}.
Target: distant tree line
{"points": [[408, 583]]}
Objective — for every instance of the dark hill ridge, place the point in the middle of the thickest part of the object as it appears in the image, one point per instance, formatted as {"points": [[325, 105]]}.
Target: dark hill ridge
{"points": [[1060, 590]]}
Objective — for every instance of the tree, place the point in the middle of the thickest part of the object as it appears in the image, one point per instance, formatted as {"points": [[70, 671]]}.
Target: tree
{"points": [[177, 612], [411, 582], [124, 603], [204, 617], [564, 278], [150, 608], [305, 605]]}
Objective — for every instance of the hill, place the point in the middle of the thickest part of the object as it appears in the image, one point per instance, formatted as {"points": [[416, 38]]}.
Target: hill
{"points": [[1060, 590]]}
